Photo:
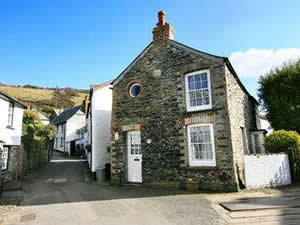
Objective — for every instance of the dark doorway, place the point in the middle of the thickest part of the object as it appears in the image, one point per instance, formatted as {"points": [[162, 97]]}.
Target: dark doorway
{"points": [[73, 148]]}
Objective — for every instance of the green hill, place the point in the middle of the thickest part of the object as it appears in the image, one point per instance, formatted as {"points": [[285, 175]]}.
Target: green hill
{"points": [[40, 98]]}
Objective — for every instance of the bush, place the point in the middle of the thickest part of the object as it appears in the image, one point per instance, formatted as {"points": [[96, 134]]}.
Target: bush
{"points": [[282, 141]]}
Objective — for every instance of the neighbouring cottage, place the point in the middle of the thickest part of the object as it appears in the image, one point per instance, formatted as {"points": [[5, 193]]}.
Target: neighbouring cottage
{"points": [[99, 122], [45, 120], [180, 116], [11, 118], [70, 129]]}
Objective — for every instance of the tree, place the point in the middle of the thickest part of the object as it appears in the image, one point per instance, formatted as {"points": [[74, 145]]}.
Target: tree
{"points": [[63, 98], [32, 126], [279, 93]]}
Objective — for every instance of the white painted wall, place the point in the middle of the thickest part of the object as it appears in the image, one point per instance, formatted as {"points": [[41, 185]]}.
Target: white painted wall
{"points": [[267, 170], [101, 105], [11, 136], [44, 119], [77, 121], [60, 133], [70, 127]]}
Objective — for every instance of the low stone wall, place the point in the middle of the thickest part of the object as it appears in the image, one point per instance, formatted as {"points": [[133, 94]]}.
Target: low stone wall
{"points": [[267, 170]]}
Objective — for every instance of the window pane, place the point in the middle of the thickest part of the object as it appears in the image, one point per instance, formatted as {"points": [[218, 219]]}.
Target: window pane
{"points": [[198, 90], [201, 143], [204, 76], [204, 84], [197, 77], [198, 85], [205, 93], [191, 86], [193, 102], [4, 158], [191, 79], [199, 102], [206, 101]]}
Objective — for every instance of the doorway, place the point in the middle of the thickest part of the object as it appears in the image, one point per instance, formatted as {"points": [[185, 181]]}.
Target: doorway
{"points": [[134, 156]]}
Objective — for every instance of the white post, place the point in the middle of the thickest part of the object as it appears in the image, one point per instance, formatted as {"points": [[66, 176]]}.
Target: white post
{"points": [[1, 150]]}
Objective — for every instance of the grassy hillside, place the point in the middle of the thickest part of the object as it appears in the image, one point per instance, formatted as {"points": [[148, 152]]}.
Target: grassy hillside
{"points": [[39, 98]]}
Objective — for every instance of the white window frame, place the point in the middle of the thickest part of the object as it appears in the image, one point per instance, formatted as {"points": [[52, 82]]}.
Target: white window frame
{"points": [[61, 142], [192, 162], [4, 164], [130, 89], [187, 96], [10, 114]]}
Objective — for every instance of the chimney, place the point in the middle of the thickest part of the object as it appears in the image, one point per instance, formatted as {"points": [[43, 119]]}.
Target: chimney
{"points": [[86, 105], [163, 31]]}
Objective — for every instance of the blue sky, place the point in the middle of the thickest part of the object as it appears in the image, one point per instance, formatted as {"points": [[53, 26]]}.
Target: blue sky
{"points": [[76, 43]]}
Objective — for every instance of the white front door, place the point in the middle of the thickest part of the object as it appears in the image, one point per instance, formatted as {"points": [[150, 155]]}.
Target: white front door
{"points": [[134, 156]]}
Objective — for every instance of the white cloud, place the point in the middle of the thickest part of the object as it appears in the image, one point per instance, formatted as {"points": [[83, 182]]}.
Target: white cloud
{"points": [[256, 62]]}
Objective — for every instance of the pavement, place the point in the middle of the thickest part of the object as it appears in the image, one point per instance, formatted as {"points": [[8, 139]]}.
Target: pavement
{"points": [[279, 206], [57, 194]]}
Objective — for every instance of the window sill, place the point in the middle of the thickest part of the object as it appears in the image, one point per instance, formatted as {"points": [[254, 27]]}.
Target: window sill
{"points": [[197, 109], [200, 167], [9, 127]]}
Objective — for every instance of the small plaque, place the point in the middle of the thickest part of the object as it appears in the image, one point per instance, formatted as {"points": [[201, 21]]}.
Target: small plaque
{"points": [[116, 136]]}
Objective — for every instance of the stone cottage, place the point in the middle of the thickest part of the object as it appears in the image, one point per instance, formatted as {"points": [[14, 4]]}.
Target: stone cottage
{"points": [[180, 116]]}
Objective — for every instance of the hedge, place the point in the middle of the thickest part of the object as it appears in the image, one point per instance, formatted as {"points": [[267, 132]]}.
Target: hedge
{"points": [[282, 141]]}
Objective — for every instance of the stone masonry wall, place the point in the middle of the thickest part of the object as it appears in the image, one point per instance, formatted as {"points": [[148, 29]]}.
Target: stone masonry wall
{"points": [[160, 113], [13, 166], [243, 113]]}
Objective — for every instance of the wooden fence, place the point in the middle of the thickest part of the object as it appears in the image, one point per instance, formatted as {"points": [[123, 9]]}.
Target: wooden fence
{"points": [[294, 157]]}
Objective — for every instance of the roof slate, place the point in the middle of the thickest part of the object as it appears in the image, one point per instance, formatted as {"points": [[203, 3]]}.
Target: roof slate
{"points": [[66, 114]]}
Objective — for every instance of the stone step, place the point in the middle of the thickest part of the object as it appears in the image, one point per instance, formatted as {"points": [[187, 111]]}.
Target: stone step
{"points": [[274, 220]]}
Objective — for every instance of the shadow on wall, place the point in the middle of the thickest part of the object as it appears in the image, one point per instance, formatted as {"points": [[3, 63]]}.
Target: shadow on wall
{"points": [[282, 176]]}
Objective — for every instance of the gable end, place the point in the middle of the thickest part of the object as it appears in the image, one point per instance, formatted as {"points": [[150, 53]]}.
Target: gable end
{"points": [[138, 58]]}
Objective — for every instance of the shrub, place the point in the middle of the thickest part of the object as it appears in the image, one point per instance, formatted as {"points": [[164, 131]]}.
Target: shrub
{"points": [[282, 141]]}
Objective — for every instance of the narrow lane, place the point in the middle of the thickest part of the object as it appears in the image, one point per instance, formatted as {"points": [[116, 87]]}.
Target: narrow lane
{"points": [[57, 194]]}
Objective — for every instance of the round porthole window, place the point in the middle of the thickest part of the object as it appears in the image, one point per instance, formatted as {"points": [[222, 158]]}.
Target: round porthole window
{"points": [[134, 90]]}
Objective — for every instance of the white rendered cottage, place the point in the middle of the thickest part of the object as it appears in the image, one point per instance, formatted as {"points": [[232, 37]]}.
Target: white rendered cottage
{"points": [[68, 124], [99, 125], [11, 117]]}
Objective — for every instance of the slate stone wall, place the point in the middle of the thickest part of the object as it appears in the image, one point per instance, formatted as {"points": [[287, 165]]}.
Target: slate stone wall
{"points": [[243, 114], [160, 113]]}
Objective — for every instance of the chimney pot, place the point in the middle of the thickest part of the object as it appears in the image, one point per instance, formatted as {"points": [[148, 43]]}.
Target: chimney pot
{"points": [[163, 30], [161, 18]]}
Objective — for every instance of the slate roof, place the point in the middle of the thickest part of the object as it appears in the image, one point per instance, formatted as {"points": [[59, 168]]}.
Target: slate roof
{"points": [[66, 114], [13, 99]]}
